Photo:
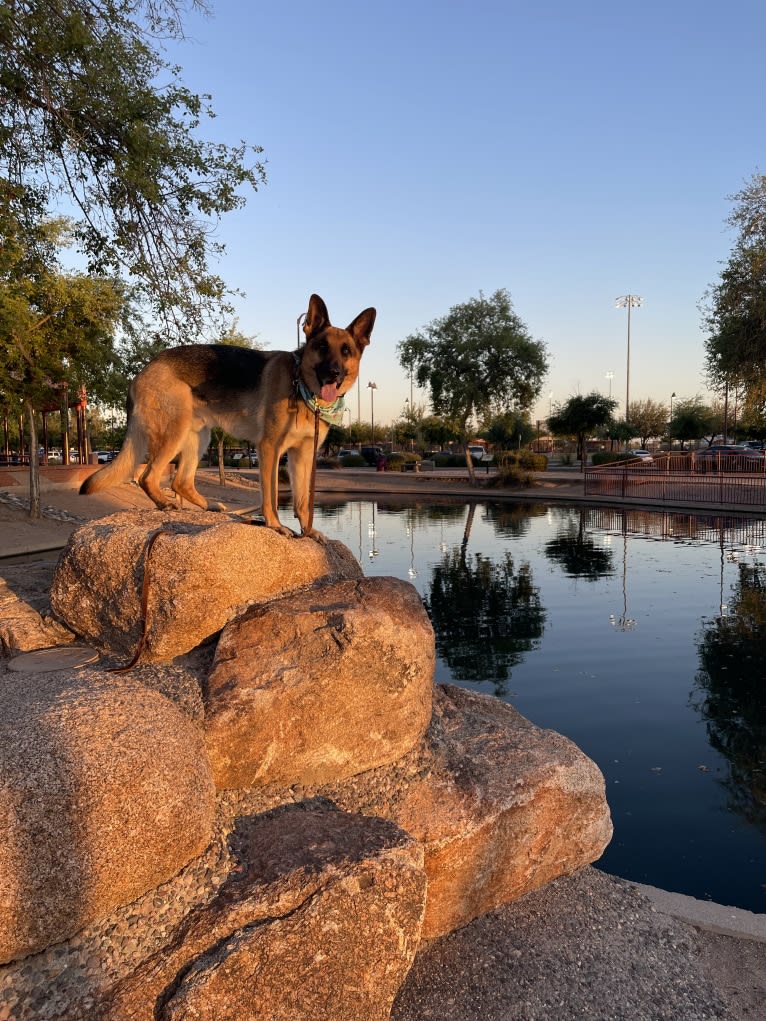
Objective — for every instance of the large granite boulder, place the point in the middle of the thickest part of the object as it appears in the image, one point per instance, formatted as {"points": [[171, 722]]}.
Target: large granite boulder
{"points": [[320, 686], [169, 580], [319, 921], [105, 791], [500, 806]]}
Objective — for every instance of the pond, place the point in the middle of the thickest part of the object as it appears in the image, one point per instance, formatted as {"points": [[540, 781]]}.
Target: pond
{"points": [[640, 635]]}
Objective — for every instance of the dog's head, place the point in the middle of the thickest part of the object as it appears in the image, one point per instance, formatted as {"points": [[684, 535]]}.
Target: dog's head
{"points": [[330, 357]]}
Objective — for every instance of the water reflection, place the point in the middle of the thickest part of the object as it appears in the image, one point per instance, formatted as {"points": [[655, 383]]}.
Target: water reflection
{"points": [[575, 551], [603, 620], [729, 691], [486, 615]]}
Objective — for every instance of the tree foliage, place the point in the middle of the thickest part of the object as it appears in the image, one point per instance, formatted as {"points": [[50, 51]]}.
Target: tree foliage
{"points": [[507, 431], [648, 418], [693, 419], [476, 360], [735, 307], [92, 113], [582, 416], [56, 328]]}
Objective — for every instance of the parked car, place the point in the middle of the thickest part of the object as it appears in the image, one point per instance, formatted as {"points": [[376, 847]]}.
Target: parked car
{"points": [[104, 456], [479, 453], [730, 457], [345, 453], [372, 454], [642, 455]]}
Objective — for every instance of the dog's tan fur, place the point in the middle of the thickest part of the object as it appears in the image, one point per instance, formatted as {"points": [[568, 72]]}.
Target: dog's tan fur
{"points": [[176, 399]]}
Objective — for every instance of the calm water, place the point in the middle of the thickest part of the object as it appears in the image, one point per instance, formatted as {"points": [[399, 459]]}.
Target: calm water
{"points": [[639, 635]]}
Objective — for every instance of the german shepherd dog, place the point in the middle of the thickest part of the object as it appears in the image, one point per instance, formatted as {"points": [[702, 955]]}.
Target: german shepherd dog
{"points": [[270, 398]]}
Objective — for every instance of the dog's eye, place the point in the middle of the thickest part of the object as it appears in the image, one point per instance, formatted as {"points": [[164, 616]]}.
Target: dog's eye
{"points": [[321, 346], [346, 351]]}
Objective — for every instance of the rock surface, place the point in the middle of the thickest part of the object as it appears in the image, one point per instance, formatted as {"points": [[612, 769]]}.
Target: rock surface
{"points": [[500, 806], [105, 792], [203, 569], [25, 621], [320, 686], [320, 922]]}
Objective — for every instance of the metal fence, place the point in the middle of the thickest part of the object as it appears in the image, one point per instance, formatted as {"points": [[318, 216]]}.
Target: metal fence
{"points": [[738, 481]]}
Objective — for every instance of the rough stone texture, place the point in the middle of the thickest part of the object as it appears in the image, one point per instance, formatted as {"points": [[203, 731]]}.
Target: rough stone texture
{"points": [[320, 686], [105, 792], [501, 806], [204, 568], [320, 922], [25, 621]]}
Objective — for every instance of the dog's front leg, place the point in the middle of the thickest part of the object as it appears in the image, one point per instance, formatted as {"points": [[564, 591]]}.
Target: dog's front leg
{"points": [[268, 464], [300, 465]]}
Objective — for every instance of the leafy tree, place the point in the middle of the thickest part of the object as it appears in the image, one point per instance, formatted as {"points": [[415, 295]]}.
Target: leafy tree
{"points": [[617, 430], [693, 419], [56, 329], [477, 360], [91, 109], [648, 418], [508, 431], [437, 431], [581, 416], [735, 307]]}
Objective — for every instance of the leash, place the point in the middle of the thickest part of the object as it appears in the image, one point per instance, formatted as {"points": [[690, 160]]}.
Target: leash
{"points": [[153, 537], [313, 478]]}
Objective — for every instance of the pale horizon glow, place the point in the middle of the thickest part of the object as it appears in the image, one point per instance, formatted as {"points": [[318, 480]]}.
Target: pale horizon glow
{"points": [[419, 153]]}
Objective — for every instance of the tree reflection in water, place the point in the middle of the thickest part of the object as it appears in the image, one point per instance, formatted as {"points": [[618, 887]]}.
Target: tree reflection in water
{"points": [[575, 551], [729, 693], [486, 615]]}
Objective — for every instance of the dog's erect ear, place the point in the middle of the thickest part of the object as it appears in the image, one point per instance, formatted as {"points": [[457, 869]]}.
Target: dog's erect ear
{"points": [[317, 317], [361, 328]]}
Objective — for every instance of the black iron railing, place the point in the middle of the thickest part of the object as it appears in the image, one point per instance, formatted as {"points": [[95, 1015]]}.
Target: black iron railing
{"points": [[727, 480]]}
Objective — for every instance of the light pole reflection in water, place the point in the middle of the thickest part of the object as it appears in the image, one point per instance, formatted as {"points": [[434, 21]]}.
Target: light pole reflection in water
{"points": [[373, 552], [623, 622]]}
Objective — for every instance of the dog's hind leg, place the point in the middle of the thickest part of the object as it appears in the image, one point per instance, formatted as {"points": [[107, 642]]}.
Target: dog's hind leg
{"points": [[163, 447], [188, 459]]}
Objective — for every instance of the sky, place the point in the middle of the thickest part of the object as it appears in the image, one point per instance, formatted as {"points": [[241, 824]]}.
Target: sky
{"points": [[420, 152]]}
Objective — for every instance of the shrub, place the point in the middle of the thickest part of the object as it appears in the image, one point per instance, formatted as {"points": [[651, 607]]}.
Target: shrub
{"points": [[328, 462], [526, 459], [352, 461], [395, 462], [512, 476], [449, 460]]}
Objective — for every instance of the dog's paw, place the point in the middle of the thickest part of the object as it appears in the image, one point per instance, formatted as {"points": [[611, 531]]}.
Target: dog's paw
{"points": [[317, 536], [215, 505]]}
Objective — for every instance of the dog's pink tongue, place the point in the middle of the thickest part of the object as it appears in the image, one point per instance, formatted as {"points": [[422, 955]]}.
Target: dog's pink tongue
{"points": [[329, 392]]}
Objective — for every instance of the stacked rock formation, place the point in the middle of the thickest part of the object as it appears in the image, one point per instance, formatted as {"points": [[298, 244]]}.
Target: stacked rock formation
{"points": [[268, 811]]}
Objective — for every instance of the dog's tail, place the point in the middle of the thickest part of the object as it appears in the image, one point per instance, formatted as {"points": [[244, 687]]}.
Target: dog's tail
{"points": [[122, 468]]}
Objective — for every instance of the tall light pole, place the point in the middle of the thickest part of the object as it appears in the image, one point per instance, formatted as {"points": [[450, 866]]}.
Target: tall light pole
{"points": [[628, 301], [359, 411], [610, 377], [372, 387], [670, 423]]}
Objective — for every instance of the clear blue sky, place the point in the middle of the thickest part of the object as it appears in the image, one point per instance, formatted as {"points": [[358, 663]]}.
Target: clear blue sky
{"points": [[419, 152]]}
